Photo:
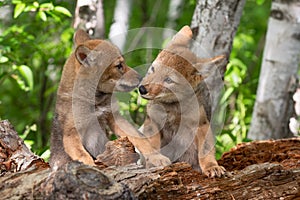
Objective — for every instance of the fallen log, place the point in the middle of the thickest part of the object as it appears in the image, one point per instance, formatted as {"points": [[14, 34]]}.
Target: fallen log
{"points": [[14, 154], [256, 170]]}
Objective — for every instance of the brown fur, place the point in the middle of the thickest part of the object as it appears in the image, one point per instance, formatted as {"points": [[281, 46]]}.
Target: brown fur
{"points": [[176, 121], [85, 105]]}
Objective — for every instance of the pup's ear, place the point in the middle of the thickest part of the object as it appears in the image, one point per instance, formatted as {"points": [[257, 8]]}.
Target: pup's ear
{"points": [[81, 36], [81, 54], [183, 37], [206, 66]]}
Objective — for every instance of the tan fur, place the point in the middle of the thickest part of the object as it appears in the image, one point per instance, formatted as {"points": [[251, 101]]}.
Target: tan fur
{"points": [[176, 120], [85, 105]]}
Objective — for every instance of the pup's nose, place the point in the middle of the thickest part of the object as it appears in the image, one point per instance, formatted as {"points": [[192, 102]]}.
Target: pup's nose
{"points": [[143, 90]]}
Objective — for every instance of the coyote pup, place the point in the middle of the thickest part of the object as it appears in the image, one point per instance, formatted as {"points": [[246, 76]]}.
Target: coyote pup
{"points": [[176, 122], [85, 106]]}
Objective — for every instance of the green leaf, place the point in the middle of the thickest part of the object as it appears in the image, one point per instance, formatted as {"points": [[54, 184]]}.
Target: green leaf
{"points": [[47, 5], [260, 2], [28, 128], [19, 9], [54, 16], [36, 4], [26, 72], [16, 1], [63, 11], [3, 59], [20, 82], [29, 143], [227, 94], [30, 8], [42, 15], [46, 154]]}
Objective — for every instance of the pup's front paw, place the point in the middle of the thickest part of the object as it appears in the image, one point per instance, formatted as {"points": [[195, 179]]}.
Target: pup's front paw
{"points": [[214, 171], [156, 160]]}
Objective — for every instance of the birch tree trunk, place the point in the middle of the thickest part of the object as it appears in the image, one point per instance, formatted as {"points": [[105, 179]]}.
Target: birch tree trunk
{"points": [[118, 30], [89, 16], [5, 15], [175, 8], [214, 25], [273, 106]]}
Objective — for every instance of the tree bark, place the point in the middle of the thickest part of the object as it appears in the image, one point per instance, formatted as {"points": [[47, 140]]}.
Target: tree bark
{"points": [[5, 15], [277, 177], [100, 25], [175, 9], [14, 154], [274, 105], [89, 16], [177, 181], [214, 25], [119, 28]]}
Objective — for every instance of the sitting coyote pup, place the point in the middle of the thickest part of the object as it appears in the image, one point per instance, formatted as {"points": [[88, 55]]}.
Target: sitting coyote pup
{"points": [[85, 106], [176, 122]]}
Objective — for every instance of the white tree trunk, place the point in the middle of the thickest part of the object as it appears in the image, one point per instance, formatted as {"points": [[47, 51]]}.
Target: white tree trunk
{"points": [[118, 30], [279, 66], [100, 25], [214, 25], [175, 8], [5, 15], [90, 17]]}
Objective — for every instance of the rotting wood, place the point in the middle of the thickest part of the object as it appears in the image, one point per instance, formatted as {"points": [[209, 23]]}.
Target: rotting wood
{"points": [[14, 154], [118, 152], [277, 176]]}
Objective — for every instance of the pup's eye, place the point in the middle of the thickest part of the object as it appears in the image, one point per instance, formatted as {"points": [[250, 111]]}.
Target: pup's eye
{"points": [[168, 80], [119, 66]]}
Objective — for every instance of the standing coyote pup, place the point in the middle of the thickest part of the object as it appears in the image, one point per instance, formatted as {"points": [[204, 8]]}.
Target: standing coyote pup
{"points": [[85, 106], [176, 122]]}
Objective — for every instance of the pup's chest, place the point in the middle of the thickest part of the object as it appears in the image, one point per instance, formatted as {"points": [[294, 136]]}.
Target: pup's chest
{"points": [[168, 120], [172, 122], [176, 121], [170, 128], [103, 106]]}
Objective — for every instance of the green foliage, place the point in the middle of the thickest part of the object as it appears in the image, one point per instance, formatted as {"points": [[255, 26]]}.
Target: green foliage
{"points": [[133, 107], [34, 45], [41, 9]]}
